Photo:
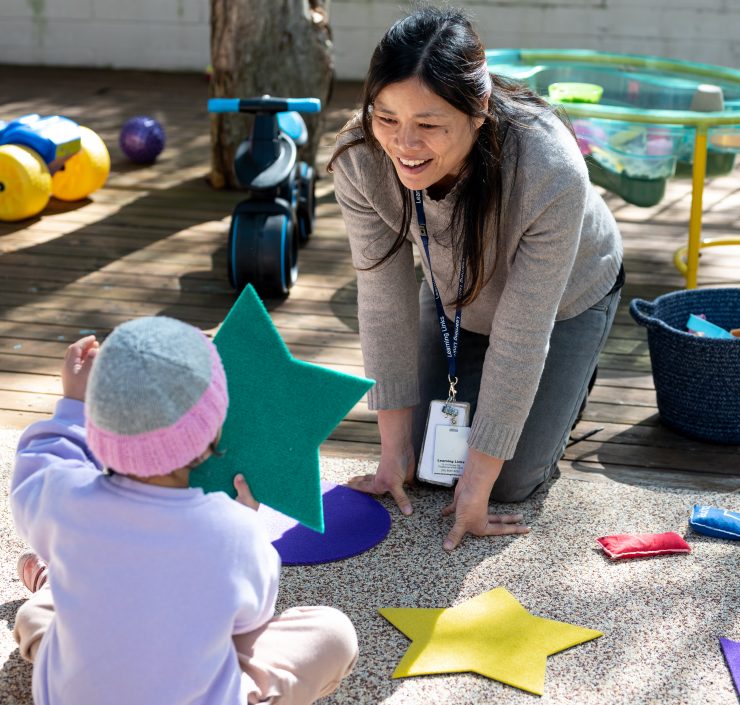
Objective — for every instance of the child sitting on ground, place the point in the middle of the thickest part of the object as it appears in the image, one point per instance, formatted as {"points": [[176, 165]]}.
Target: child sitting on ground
{"points": [[157, 593]]}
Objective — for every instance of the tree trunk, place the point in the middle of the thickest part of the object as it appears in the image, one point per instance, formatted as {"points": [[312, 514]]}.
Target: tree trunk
{"points": [[277, 47]]}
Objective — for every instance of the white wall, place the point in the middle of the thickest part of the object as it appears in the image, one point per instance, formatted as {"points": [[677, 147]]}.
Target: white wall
{"points": [[695, 30], [146, 34], [174, 34]]}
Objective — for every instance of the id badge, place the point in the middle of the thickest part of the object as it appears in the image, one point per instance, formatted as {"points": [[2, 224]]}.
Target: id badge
{"points": [[442, 414], [450, 450]]}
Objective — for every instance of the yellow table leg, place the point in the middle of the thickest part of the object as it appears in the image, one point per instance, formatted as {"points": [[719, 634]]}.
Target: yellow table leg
{"points": [[697, 191]]}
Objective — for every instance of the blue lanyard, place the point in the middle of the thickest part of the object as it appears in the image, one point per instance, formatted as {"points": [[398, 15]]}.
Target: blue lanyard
{"points": [[450, 347]]}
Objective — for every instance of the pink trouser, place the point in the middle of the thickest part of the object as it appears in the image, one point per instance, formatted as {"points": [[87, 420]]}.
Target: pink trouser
{"points": [[294, 659]]}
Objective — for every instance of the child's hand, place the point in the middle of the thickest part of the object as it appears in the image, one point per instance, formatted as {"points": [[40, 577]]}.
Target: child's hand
{"points": [[76, 367], [244, 494]]}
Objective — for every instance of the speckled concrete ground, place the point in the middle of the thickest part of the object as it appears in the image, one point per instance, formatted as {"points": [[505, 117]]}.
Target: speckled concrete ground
{"points": [[661, 617]]}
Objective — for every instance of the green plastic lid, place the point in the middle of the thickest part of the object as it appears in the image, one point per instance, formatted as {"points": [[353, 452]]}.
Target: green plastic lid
{"points": [[575, 92]]}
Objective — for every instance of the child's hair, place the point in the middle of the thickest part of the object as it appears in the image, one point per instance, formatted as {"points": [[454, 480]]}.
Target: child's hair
{"points": [[156, 397]]}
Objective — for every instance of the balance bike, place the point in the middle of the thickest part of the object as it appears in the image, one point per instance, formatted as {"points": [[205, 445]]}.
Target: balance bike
{"points": [[278, 213]]}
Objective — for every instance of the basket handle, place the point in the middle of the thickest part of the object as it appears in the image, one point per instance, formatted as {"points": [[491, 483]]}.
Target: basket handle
{"points": [[641, 311]]}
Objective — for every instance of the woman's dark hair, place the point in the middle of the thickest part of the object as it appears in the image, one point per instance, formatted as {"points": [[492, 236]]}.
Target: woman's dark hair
{"points": [[441, 48]]}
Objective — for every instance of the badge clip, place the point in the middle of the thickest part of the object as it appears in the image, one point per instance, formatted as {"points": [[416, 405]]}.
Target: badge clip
{"points": [[448, 409]]}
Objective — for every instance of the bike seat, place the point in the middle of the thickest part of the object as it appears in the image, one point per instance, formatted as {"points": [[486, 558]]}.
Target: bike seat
{"points": [[255, 175]]}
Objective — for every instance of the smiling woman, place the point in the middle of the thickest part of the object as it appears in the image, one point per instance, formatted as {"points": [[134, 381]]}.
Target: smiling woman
{"points": [[521, 261]]}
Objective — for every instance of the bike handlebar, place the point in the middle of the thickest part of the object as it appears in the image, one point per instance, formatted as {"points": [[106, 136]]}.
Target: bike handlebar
{"points": [[266, 104]]}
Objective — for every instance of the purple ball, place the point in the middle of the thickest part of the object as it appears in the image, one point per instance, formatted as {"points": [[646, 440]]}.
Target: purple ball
{"points": [[142, 139]]}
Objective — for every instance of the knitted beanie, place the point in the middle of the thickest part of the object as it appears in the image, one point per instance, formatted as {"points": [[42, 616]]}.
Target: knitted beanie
{"points": [[156, 397]]}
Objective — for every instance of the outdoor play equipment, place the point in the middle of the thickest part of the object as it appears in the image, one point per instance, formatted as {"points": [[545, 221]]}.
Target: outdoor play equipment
{"points": [[45, 156], [142, 139], [279, 210], [25, 183], [84, 172], [639, 121]]}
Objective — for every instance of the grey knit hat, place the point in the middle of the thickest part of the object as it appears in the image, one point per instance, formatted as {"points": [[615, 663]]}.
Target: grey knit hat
{"points": [[156, 397]]}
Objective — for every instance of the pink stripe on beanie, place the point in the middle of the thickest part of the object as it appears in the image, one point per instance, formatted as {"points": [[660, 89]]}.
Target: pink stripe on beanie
{"points": [[156, 397]]}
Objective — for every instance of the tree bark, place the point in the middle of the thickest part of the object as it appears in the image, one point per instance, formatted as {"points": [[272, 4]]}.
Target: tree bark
{"points": [[277, 47]]}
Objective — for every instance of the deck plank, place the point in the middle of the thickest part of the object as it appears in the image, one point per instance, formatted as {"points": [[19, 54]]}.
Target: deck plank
{"points": [[153, 241]]}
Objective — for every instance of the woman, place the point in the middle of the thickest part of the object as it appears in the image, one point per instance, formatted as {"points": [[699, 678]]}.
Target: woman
{"points": [[524, 253]]}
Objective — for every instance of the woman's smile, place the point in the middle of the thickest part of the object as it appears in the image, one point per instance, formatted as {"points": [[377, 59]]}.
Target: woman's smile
{"points": [[413, 166]]}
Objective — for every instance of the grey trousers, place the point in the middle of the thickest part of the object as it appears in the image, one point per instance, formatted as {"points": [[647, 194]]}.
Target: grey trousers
{"points": [[575, 345]]}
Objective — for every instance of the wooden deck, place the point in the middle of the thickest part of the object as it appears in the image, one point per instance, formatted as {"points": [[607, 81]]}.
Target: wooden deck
{"points": [[153, 242]]}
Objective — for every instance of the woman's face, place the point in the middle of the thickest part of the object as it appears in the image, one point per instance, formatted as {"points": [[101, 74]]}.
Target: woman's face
{"points": [[426, 138]]}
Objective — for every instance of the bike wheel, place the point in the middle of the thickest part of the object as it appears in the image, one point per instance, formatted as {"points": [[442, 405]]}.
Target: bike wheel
{"points": [[263, 252]]}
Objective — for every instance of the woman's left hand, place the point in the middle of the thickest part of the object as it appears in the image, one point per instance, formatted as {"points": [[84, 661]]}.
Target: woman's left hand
{"points": [[470, 504]]}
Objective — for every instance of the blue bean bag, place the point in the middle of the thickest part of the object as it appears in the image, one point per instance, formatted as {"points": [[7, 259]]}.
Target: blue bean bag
{"points": [[713, 521]]}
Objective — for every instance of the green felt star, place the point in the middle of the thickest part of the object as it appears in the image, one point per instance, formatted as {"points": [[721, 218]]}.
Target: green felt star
{"points": [[491, 634], [280, 411]]}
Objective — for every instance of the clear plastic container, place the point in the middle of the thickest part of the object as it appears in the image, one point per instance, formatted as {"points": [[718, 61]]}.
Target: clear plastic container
{"points": [[639, 151], [725, 138]]}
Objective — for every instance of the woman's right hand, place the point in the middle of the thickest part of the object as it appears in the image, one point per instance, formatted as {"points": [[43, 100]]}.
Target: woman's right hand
{"points": [[397, 459], [394, 470]]}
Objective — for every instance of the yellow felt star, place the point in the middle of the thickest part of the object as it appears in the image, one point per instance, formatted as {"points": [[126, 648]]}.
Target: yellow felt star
{"points": [[491, 634]]}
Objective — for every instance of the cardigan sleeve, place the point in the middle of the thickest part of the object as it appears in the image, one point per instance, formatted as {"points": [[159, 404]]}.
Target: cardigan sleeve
{"points": [[551, 191], [387, 296]]}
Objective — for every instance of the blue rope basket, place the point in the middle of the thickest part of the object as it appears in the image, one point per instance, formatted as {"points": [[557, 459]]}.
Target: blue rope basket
{"points": [[697, 380]]}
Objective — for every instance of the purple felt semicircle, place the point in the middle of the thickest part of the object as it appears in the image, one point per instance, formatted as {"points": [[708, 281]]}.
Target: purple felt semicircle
{"points": [[353, 522], [731, 650]]}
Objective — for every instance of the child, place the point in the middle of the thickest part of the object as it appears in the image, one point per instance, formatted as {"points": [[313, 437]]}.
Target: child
{"points": [[157, 593]]}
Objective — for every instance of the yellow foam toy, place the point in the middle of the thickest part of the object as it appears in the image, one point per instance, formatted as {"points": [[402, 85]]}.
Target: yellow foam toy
{"points": [[83, 172], [491, 634], [25, 183]]}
